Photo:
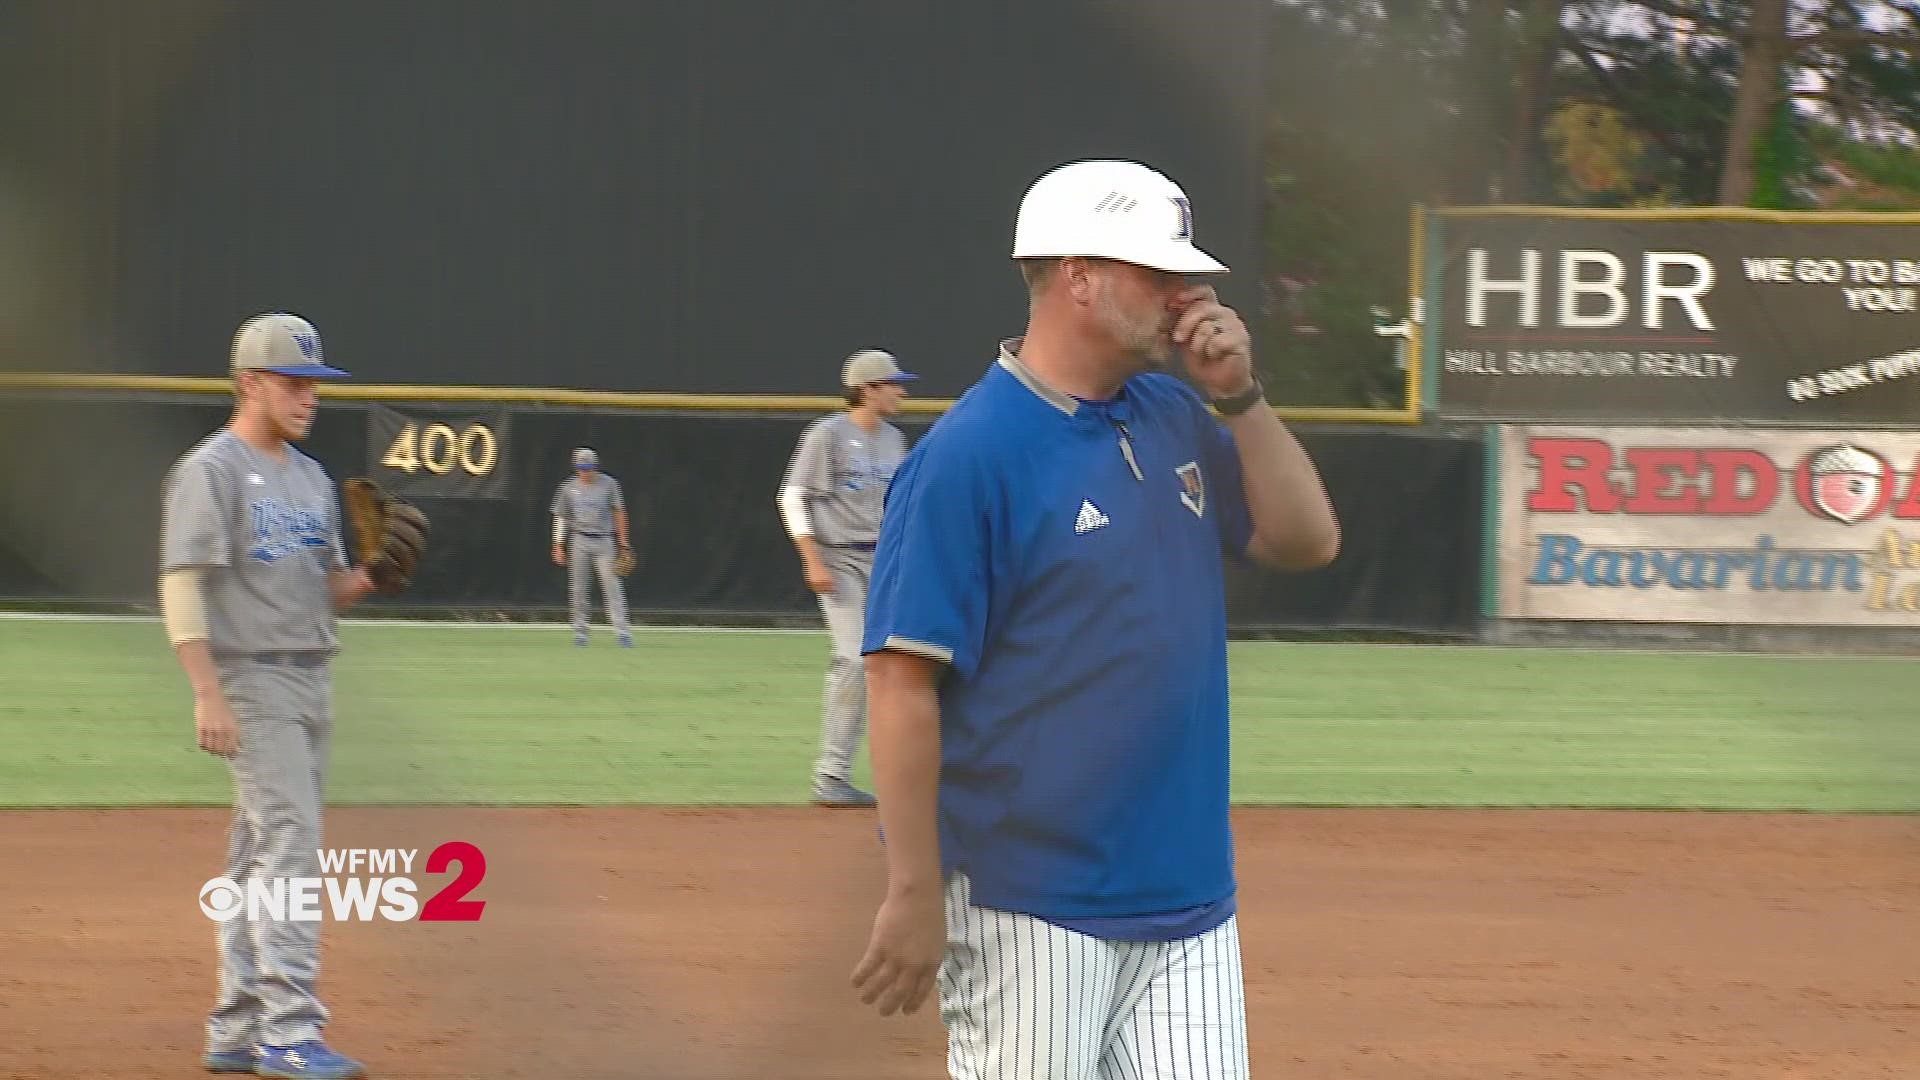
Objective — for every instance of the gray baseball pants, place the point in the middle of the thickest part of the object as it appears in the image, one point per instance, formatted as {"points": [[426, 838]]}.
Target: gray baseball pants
{"points": [[269, 969], [844, 711], [593, 556]]}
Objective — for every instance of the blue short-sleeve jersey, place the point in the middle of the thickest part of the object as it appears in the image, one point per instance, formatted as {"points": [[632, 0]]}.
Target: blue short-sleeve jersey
{"points": [[1063, 558]]}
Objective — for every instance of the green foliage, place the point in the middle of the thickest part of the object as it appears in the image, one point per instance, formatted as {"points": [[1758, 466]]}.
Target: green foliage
{"points": [[1344, 169], [1783, 163], [1866, 71], [1377, 106], [1600, 155], [1893, 165], [1859, 175], [1675, 95], [1321, 266]]}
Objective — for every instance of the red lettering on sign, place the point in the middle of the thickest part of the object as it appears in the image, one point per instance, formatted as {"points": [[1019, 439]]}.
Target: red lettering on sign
{"points": [[1568, 466], [1909, 505], [1660, 476], [1723, 470]]}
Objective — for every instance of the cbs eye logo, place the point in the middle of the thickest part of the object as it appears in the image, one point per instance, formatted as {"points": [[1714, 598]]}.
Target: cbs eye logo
{"points": [[356, 884], [221, 899]]}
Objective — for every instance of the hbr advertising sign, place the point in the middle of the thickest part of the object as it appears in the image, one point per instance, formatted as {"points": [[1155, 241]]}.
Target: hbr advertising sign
{"points": [[1682, 317], [1709, 525]]}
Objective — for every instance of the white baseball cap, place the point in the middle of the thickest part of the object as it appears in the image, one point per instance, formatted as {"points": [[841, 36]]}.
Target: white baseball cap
{"points": [[283, 344], [870, 366], [1110, 210], [585, 458]]}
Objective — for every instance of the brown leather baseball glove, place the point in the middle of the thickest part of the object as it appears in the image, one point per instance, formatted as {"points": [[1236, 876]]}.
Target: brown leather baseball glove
{"points": [[390, 536]]}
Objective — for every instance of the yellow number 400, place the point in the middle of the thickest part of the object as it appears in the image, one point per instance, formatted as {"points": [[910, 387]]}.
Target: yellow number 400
{"points": [[439, 449]]}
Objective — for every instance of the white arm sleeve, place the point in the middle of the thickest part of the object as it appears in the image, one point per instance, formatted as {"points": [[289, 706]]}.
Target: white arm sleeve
{"points": [[559, 529], [182, 606], [793, 510]]}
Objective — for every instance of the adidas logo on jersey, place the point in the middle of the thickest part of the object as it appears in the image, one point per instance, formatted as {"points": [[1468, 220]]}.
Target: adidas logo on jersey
{"points": [[1090, 518]]}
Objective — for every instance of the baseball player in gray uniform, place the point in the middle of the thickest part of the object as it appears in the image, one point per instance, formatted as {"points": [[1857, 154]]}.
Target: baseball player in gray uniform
{"points": [[590, 517], [253, 569], [831, 501]]}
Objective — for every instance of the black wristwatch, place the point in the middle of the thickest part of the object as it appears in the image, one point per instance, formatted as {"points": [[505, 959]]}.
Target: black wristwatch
{"points": [[1242, 401]]}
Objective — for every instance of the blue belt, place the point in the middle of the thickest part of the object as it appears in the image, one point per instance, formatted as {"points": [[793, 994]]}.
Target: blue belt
{"points": [[591, 536], [857, 547]]}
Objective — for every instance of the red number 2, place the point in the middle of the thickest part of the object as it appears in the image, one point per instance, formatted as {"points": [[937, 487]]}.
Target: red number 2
{"points": [[447, 905]]}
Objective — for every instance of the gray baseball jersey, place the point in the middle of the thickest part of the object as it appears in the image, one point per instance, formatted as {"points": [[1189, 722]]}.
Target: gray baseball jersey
{"points": [[589, 507], [845, 471], [271, 531]]}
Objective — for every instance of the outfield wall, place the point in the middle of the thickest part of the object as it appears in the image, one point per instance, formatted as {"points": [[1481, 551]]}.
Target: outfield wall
{"points": [[80, 502]]}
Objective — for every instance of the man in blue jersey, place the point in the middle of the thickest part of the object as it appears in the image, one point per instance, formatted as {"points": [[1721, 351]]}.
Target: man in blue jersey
{"points": [[1046, 658]]}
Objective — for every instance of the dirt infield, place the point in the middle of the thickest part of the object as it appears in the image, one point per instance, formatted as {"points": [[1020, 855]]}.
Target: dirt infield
{"points": [[709, 944]]}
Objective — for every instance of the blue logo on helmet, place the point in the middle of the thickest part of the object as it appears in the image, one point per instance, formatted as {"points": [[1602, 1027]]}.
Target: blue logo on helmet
{"points": [[1184, 231]]}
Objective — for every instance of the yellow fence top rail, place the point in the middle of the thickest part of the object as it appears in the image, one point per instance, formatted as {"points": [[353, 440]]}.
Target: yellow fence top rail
{"points": [[1691, 213], [604, 399]]}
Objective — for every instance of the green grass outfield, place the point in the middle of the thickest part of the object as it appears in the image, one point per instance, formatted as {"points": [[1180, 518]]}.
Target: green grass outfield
{"points": [[98, 713]]}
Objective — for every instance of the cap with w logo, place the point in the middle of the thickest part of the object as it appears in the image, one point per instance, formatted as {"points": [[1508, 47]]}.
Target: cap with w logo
{"points": [[283, 344]]}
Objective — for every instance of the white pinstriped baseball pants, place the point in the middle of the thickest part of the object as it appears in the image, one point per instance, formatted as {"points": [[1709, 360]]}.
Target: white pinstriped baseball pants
{"points": [[1023, 999]]}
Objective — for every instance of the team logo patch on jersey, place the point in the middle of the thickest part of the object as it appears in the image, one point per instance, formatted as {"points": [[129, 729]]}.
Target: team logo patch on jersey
{"points": [[1193, 488], [861, 476], [280, 530]]}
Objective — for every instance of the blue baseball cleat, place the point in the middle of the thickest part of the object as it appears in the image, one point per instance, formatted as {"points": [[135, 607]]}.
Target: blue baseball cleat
{"points": [[580, 639], [626, 641], [309, 1060], [232, 1061]]}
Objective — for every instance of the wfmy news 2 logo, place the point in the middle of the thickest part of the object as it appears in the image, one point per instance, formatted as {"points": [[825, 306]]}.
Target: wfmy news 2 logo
{"points": [[356, 885]]}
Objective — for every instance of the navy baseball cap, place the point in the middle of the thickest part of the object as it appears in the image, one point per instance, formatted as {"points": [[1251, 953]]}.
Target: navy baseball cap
{"points": [[283, 344]]}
